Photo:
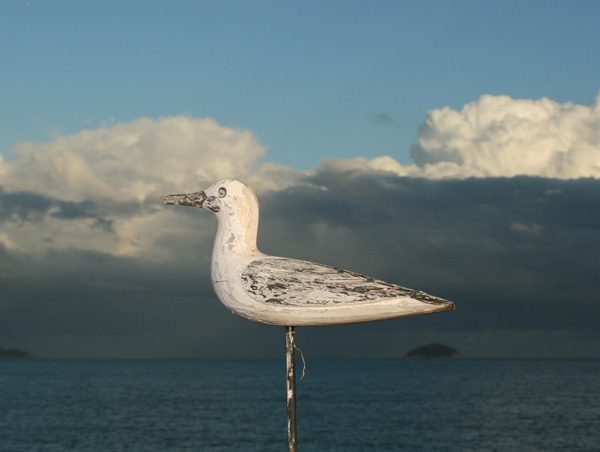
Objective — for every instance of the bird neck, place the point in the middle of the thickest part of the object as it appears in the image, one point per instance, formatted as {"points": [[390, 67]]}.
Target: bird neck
{"points": [[236, 235]]}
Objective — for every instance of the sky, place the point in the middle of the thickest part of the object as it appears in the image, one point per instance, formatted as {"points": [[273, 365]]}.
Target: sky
{"points": [[451, 147]]}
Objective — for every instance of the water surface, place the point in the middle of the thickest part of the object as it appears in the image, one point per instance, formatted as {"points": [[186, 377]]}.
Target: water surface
{"points": [[363, 405]]}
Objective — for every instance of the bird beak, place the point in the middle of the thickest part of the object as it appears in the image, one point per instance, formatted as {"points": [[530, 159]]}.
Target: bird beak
{"points": [[190, 199]]}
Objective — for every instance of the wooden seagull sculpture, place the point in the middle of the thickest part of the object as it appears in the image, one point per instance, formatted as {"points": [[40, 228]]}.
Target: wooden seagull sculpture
{"points": [[288, 292]]}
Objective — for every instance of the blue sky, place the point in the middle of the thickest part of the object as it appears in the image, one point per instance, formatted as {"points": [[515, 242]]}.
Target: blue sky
{"points": [[310, 79]]}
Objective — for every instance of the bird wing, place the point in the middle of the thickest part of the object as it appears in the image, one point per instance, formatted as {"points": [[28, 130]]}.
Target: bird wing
{"points": [[292, 282]]}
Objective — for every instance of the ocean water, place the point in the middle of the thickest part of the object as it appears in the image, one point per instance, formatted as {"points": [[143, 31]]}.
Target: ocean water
{"points": [[239, 405]]}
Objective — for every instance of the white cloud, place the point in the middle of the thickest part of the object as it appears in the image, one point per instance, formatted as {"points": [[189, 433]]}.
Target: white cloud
{"points": [[3, 168], [134, 160], [385, 163], [361, 164], [499, 136], [123, 169], [127, 165], [273, 176]]}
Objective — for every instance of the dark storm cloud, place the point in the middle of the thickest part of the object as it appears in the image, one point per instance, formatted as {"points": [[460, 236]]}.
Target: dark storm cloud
{"points": [[29, 207], [25, 206], [518, 256], [511, 252], [94, 304]]}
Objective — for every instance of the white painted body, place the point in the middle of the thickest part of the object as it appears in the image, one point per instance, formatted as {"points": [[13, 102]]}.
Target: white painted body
{"points": [[288, 292]]}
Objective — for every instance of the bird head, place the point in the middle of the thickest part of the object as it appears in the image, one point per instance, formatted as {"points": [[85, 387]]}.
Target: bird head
{"points": [[236, 208], [227, 195]]}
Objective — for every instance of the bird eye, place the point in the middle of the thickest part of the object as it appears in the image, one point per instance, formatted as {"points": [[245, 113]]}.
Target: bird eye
{"points": [[222, 192]]}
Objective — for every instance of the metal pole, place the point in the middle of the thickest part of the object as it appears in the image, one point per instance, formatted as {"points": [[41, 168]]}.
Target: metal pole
{"points": [[290, 362]]}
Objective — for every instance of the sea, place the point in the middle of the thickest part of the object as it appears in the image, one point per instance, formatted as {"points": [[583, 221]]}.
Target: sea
{"points": [[343, 405]]}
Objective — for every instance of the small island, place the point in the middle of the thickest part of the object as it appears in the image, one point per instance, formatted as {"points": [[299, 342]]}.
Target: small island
{"points": [[433, 351], [14, 353]]}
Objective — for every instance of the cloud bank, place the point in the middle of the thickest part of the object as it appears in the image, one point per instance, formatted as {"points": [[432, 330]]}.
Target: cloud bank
{"points": [[499, 213], [107, 182], [497, 136], [131, 161]]}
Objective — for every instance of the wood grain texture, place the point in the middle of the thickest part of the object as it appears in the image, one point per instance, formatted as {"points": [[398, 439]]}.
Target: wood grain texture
{"points": [[289, 292]]}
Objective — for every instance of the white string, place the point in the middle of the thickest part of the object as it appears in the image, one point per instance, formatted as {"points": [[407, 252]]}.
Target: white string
{"points": [[303, 362]]}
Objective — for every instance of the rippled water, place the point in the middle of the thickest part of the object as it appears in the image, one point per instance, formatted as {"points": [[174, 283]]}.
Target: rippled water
{"points": [[367, 405]]}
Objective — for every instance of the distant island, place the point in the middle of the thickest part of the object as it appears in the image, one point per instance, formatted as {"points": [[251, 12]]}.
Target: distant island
{"points": [[433, 351], [13, 353]]}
